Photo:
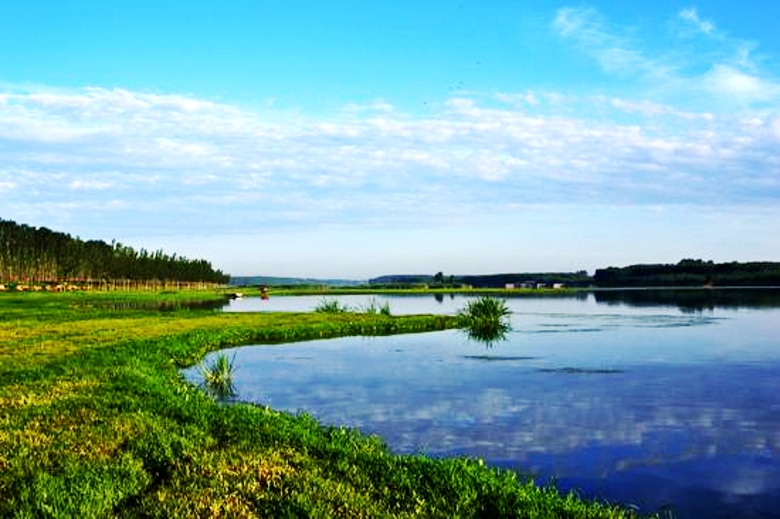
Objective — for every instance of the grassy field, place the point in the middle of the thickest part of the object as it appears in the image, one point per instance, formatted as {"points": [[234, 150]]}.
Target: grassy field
{"points": [[96, 421]]}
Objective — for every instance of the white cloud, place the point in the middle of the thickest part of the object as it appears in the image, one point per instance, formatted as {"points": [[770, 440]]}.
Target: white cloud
{"points": [[528, 98], [728, 81], [589, 31], [86, 184], [652, 109], [691, 16], [706, 69], [127, 167]]}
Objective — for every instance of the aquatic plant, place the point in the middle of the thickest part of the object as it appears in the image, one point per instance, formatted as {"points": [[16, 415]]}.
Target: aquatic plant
{"points": [[218, 376], [485, 319], [330, 306], [374, 308], [485, 308]]}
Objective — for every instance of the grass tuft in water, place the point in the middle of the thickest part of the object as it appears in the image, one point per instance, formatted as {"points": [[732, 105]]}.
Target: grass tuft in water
{"points": [[218, 376], [485, 319], [328, 305], [375, 308]]}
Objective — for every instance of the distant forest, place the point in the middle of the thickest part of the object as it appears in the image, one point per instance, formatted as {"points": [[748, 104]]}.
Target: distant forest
{"points": [[439, 280], [30, 255], [691, 273], [686, 273], [39, 255]]}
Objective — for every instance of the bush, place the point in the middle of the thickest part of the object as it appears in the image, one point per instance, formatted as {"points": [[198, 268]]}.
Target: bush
{"points": [[485, 319]]}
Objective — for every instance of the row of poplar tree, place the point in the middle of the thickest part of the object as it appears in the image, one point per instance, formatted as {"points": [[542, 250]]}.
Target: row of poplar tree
{"points": [[39, 255]]}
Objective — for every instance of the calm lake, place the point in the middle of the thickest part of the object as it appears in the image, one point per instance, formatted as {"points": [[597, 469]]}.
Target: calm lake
{"points": [[658, 399]]}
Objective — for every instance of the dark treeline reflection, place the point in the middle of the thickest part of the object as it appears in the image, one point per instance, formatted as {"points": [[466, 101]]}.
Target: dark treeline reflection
{"points": [[692, 300], [440, 297]]}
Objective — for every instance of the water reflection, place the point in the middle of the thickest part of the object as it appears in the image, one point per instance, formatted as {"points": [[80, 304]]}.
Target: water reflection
{"points": [[623, 399], [692, 300], [439, 297], [488, 332], [684, 300]]}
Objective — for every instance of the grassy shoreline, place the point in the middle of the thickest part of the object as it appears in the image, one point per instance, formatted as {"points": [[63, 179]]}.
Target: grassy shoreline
{"points": [[97, 421], [338, 291]]}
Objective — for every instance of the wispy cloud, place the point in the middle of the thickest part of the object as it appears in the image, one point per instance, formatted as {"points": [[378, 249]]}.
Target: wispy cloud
{"points": [[699, 64], [615, 51], [691, 16], [133, 156], [741, 86]]}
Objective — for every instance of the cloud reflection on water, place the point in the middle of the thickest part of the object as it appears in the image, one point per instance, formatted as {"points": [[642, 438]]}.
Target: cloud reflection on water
{"points": [[652, 404]]}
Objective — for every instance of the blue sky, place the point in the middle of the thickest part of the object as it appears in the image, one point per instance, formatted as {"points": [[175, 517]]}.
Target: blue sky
{"points": [[354, 139]]}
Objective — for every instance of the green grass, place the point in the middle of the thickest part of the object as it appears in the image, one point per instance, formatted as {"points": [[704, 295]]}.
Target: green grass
{"points": [[97, 421], [331, 305], [328, 305], [373, 307], [484, 308]]}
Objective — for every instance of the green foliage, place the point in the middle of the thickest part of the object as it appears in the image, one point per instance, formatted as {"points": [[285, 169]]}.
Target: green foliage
{"points": [[485, 319], [375, 308], [484, 309], [330, 306], [218, 376], [40, 255], [79, 489], [690, 273], [489, 281]]}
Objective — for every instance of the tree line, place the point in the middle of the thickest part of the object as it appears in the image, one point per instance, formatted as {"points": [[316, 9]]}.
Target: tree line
{"points": [[38, 255], [686, 273], [690, 273], [440, 280]]}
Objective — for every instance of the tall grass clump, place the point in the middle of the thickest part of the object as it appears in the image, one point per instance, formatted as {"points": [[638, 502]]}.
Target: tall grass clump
{"points": [[218, 376], [375, 308], [330, 306], [485, 319]]}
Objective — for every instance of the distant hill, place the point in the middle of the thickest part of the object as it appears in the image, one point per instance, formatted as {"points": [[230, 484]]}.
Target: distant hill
{"points": [[402, 280], [285, 281]]}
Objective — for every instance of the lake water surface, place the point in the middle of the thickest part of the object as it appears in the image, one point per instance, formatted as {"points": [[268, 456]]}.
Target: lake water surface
{"points": [[655, 399]]}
